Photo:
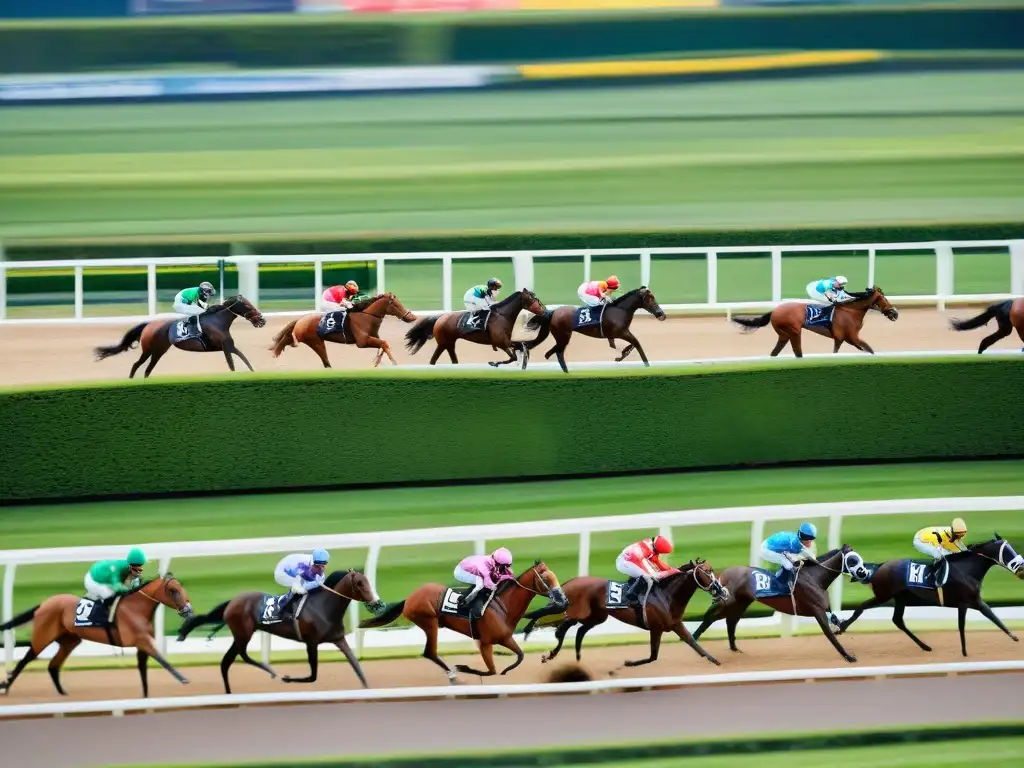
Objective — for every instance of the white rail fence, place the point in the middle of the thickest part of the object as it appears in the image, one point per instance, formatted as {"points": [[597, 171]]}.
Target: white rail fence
{"points": [[122, 706], [523, 262], [478, 537]]}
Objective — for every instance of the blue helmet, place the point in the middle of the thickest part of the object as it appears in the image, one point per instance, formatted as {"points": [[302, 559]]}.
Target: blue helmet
{"points": [[320, 556], [808, 531]]}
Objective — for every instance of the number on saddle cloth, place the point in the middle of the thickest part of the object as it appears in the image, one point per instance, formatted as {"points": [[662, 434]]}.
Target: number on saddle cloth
{"points": [[186, 329], [816, 316], [473, 321], [91, 613], [270, 610], [768, 584], [921, 575], [332, 322], [453, 604], [616, 594], [587, 317]]}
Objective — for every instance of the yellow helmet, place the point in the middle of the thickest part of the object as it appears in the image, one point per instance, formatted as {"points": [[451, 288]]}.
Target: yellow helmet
{"points": [[959, 527]]}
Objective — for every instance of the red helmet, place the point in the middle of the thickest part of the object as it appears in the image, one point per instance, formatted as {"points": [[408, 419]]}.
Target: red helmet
{"points": [[613, 282], [352, 287], [662, 545]]}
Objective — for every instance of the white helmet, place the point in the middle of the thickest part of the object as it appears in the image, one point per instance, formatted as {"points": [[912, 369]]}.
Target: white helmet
{"points": [[840, 281]]}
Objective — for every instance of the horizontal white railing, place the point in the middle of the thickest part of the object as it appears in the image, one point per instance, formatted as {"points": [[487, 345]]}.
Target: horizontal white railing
{"points": [[123, 706], [478, 536], [523, 266]]}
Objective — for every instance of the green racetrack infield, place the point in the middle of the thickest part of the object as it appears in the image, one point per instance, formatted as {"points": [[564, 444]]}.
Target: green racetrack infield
{"points": [[211, 580]]}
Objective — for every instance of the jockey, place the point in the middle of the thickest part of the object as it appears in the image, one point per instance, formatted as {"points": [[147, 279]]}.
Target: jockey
{"points": [[482, 296], [339, 296], [301, 573], [193, 301], [484, 572], [829, 290], [598, 292], [938, 542], [641, 561], [109, 578], [784, 547]]}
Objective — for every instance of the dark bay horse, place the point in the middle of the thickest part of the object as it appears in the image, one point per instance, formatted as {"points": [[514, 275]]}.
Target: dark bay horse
{"points": [[320, 620], [809, 597], [364, 320], [216, 326], [663, 612], [788, 321], [498, 335], [132, 627], [429, 608], [1009, 315], [615, 322], [962, 589]]}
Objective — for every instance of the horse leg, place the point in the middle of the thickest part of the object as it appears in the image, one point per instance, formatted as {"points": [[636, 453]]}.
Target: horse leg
{"points": [[68, 643], [655, 646], [871, 602], [1001, 333], [962, 622], [244, 653], [628, 336], [226, 349], [798, 345], [859, 343], [989, 614], [437, 353], [430, 649], [625, 353], [560, 632], [731, 621], [142, 659], [513, 646], [836, 344], [827, 631], [585, 627], [897, 619], [313, 656], [353, 662], [29, 656], [142, 358], [684, 635], [320, 348], [487, 654], [713, 614], [241, 355], [157, 354], [226, 662], [511, 357], [148, 644], [780, 345]]}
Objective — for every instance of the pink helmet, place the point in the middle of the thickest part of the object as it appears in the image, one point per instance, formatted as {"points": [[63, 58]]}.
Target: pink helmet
{"points": [[502, 556]]}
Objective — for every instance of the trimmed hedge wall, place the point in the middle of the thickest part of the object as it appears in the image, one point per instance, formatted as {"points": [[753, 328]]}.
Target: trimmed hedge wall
{"points": [[261, 41], [122, 439]]}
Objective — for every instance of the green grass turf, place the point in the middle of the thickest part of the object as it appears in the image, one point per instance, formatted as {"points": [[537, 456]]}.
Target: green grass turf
{"points": [[210, 580], [831, 150]]}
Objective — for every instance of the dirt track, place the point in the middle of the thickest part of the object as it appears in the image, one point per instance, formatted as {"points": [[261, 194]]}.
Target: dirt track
{"points": [[42, 353]]}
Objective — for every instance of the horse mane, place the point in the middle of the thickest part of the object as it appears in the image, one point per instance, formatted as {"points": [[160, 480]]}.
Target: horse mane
{"points": [[827, 555], [972, 549], [627, 294], [508, 299], [867, 293], [362, 305], [336, 576], [227, 300]]}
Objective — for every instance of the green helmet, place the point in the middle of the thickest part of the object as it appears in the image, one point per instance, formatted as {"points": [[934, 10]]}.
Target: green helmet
{"points": [[136, 557]]}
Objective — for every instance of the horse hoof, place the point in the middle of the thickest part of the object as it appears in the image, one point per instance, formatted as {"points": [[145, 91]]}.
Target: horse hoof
{"points": [[184, 681], [493, 365], [1014, 638], [851, 659], [544, 658], [926, 648], [714, 661]]}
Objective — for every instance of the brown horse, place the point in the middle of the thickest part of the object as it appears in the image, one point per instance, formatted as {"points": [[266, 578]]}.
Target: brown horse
{"points": [[614, 324], [321, 619], [962, 590], [132, 626], [216, 335], [809, 595], [1008, 314], [364, 320], [663, 611], [500, 322], [789, 317], [433, 606]]}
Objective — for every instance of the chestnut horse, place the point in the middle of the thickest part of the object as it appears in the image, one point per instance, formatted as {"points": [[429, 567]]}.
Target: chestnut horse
{"points": [[132, 626], [663, 611], [503, 612], [216, 326], [788, 321], [1009, 315], [614, 325], [364, 320], [498, 334], [321, 620]]}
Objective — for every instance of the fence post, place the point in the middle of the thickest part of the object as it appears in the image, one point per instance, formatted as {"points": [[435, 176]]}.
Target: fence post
{"points": [[872, 257], [79, 293], [446, 276], [522, 269], [161, 611], [249, 278], [380, 275], [943, 273], [1016, 269], [8, 613], [645, 269], [372, 559], [712, 277], [776, 275], [151, 288], [586, 266], [318, 283], [584, 554], [756, 537], [835, 526]]}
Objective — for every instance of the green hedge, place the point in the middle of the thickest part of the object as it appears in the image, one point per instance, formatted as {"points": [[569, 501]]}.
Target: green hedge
{"points": [[63, 46], [260, 432]]}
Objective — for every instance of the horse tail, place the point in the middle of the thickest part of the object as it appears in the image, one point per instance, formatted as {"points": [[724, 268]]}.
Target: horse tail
{"points": [[21, 618], [216, 616], [420, 333], [284, 339], [129, 338], [387, 616], [753, 323], [978, 320], [536, 616], [540, 323]]}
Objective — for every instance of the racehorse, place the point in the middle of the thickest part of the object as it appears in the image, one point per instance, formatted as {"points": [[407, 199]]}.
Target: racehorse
{"points": [[1008, 314], [216, 335], [614, 324], [809, 594], [962, 590], [663, 611], [131, 625], [501, 319], [427, 608], [321, 619], [789, 317], [364, 321]]}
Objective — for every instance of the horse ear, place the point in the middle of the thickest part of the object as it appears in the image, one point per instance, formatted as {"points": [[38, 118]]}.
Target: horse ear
{"points": [[998, 537]]}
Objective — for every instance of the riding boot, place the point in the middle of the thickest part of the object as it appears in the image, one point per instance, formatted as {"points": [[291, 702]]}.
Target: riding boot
{"points": [[633, 590], [477, 609]]}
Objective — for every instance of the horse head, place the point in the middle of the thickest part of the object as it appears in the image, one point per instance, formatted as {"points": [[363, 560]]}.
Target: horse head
{"points": [[240, 306], [651, 304], [640, 298], [879, 302], [706, 579], [352, 584], [530, 302], [1003, 553], [853, 564], [396, 309], [542, 580], [168, 591]]}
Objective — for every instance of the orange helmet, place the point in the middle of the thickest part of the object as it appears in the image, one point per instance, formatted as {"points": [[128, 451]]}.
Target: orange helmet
{"points": [[662, 545], [352, 286], [613, 282]]}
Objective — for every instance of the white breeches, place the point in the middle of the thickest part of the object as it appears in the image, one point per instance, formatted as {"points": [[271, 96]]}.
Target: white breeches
{"points": [[778, 558], [815, 295], [290, 582], [929, 549], [590, 301], [469, 578], [95, 591], [631, 569], [330, 306], [188, 309], [473, 302]]}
